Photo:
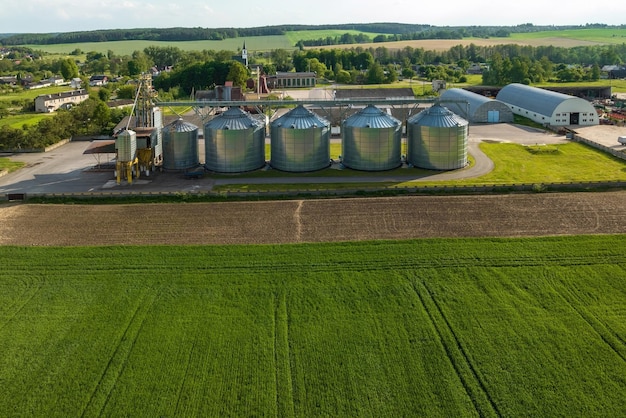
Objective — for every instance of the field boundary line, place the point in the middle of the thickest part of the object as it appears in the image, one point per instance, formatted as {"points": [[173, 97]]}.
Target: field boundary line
{"points": [[478, 393], [297, 216], [604, 331], [10, 316], [282, 358], [117, 362]]}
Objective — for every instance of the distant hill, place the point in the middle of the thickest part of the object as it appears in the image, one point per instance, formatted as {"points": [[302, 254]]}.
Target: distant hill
{"points": [[194, 34], [402, 31], [394, 31]]}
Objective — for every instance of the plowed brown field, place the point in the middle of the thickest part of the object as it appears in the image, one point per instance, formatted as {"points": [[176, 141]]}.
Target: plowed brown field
{"points": [[314, 220]]}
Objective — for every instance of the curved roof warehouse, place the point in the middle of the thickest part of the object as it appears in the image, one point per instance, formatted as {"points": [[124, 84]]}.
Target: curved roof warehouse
{"points": [[475, 107], [547, 107]]}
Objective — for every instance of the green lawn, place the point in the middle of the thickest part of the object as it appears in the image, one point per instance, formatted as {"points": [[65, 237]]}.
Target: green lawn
{"points": [[32, 94], [441, 327], [10, 165], [573, 162], [19, 120]]}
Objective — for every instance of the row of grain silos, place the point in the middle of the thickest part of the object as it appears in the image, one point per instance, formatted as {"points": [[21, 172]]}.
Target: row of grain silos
{"points": [[300, 141]]}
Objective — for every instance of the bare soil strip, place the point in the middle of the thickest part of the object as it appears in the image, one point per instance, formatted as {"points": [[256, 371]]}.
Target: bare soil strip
{"points": [[278, 222]]}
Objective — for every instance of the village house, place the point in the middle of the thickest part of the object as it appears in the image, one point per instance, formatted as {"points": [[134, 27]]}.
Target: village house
{"points": [[98, 80], [47, 103]]}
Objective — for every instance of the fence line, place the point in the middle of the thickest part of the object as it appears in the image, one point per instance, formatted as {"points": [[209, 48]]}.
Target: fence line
{"points": [[406, 190], [613, 152]]}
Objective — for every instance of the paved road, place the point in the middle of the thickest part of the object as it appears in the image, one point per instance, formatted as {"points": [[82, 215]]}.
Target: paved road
{"points": [[68, 170]]}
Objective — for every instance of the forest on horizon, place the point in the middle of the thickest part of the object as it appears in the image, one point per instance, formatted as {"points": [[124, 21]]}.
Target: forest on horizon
{"points": [[388, 31]]}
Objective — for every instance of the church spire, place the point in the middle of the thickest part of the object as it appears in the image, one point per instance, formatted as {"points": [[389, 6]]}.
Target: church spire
{"points": [[244, 54]]}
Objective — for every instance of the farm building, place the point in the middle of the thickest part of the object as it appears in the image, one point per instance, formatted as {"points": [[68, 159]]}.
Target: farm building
{"points": [[547, 107], [291, 80], [476, 108]]}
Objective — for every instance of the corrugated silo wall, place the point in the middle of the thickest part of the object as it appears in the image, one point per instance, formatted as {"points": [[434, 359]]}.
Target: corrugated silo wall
{"points": [[180, 150], [300, 150], [372, 149], [437, 148], [234, 150]]}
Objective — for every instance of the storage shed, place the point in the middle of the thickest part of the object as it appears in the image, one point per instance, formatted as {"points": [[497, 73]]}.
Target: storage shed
{"points": [[475, 107], [547, 107]]}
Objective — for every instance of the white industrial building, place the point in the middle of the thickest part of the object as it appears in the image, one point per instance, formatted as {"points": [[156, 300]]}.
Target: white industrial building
{"points": [[548, 107], [474, 107]]}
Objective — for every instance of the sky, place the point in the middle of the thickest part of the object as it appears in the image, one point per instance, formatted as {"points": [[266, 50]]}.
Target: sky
{"points": [[44, 16]]}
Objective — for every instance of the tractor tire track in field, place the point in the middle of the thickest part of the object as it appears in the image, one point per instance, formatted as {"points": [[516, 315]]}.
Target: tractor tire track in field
{"points": [[182, 383], [20, 303], [282, 358], [465, 370], [611, 338], [117, 362]]}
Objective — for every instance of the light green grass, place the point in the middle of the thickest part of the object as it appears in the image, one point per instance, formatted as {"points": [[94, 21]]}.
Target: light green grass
{"points": [[442, 327], [10, 165], [19, 120], [574, 162], [31, 94], [604, 36]]}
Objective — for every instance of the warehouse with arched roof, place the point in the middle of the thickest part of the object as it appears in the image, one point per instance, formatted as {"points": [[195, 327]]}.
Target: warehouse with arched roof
{"points": [[474, 107], [548, 107]]}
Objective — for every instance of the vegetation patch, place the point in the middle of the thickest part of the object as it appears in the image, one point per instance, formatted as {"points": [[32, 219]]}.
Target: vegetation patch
{"points": [[540, 149], [10, 165]]}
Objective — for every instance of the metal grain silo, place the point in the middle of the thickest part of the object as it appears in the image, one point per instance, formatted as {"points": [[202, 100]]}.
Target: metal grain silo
{"points": [[180, 145], [371, 140], [437, 139], [300, 141], [126, 146], [234, 142]]}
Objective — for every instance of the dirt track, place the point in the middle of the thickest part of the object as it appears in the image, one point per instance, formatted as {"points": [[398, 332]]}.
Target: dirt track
{"points": [[314, 220]]}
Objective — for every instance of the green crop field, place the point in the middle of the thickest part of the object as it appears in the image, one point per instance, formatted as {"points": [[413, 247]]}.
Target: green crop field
{"points": [[253, 43], [307, 35], [441, 327], [600, 35]]}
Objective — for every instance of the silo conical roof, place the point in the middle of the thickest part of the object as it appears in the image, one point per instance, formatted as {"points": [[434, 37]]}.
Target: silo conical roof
{"points": [[234, 118], [438, 116], [371, 117], [300, 118], [179, 125]]}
